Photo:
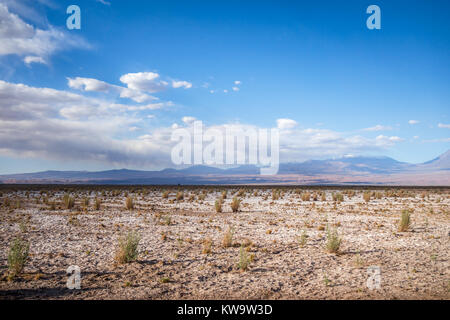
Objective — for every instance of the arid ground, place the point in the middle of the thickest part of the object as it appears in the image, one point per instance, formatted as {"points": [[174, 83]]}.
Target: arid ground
{"points": [[273, 247]]}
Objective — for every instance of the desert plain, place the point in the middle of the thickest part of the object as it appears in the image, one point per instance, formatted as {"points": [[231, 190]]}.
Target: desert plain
{"points": [[191, 245]]}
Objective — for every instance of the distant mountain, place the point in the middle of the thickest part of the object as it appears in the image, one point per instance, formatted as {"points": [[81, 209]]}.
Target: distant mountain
{"points": [[349, 165], [442, 162], [348, 170]]}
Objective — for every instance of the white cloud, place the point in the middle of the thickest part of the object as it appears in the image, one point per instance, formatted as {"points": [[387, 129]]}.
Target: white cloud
{"points": [[387, 140], [34, 59], [106, 3], [89, 84], [181, 84], [412, 122], [378, 127], [35, 45], [235, 89], [237, 82], [188, 120], [225, 91], [144, 81], [442, 125], [286, 123], [54, 124]]}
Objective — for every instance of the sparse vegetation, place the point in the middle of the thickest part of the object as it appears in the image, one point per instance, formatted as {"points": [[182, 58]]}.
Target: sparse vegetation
{"points": [[127, 250], [243, 259], [333, 241], [235, 204], [227, 240], [405, 221], [207, 245], [129, 203], [17, 256], [367, 196], [218, 205], [68, 201], [97, 203]]}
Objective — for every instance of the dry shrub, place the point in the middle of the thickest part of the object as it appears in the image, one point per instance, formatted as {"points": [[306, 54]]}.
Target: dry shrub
{"points": [[275, 194], [306, 196], [127, 250], [243, 259], [227, 240], [218, 205], [207, 244], [129, 204], [333, 241], [235, 204], [165, 194], [180, 195], [405, 221], [338, 197], [68, 201], [367, 196], [97, 203], [17, 256]]}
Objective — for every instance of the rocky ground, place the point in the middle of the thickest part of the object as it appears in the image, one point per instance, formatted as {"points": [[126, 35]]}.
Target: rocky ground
{"points": [[182, 254]]}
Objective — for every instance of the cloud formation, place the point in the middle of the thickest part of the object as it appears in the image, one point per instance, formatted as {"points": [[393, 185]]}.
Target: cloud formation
{"points": [[286, 123], [378, 127], [61, 125], [32, 44]]}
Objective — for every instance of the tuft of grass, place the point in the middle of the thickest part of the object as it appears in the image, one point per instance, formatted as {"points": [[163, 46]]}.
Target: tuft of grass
{"points": [[235, 204], [180, 195], [227, 240], [224, 194], [207, 244], [303, 238], [367, 196], [127, 250], [218, 205], [164, 280], [97, 203], [129, 204], [17, 257], [338, 197], [86, 202], [165, 194], [306, 196], [68, 201], [405, 221], [275, 194], [244, 261], [333, 241]]}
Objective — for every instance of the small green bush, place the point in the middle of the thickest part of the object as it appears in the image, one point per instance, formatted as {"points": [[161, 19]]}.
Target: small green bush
{"points": [[128, 248], [18, 255], [333, 241]]}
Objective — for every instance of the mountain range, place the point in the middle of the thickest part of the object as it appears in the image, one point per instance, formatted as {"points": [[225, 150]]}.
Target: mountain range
{"points": [[343, 171]]}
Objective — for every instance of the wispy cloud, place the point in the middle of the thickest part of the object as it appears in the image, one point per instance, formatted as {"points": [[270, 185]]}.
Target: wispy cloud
{"points": [[442, 125], [33, 45], [378, 127]]}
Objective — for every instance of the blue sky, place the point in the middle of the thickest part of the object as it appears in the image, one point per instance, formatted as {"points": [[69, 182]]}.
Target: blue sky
{"points": [[312, 62]]}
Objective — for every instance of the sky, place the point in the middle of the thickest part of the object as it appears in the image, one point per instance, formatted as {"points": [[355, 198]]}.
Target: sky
{"points": [[110, 94]]}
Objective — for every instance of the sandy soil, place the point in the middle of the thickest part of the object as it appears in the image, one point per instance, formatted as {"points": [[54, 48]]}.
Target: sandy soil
{"points": [[172, 262]]}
